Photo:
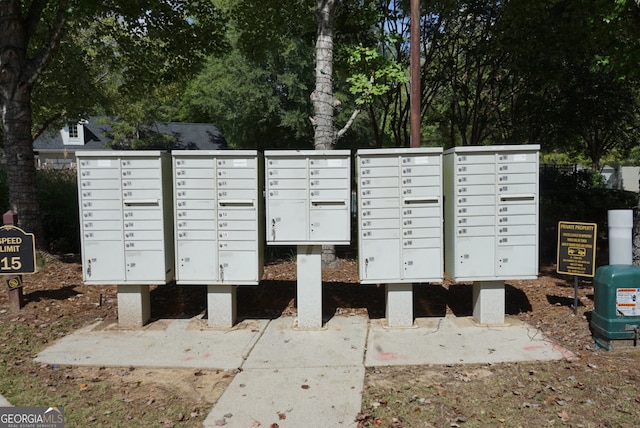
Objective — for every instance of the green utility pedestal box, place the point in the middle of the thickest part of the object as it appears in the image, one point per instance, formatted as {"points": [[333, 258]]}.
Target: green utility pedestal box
{"points": [[617, 305]]}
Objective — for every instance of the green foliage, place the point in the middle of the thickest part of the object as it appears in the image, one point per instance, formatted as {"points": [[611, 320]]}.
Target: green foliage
{"points": [[141, 136], [375, 75], [58, 197], [255, 105]]}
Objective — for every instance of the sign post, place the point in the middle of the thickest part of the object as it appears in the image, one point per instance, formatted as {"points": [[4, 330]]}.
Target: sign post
{"points": [[17, 256], [576, 254]]}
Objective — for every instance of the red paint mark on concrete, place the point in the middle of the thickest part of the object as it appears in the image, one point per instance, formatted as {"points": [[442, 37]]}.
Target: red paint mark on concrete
{"points": [[533, 347], [387, 356]]}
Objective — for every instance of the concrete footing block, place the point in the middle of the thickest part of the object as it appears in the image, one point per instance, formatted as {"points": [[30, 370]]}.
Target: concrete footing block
{"points": [[309, 286], [221, 305], [489, 302], [134, 305], [399, 310]]}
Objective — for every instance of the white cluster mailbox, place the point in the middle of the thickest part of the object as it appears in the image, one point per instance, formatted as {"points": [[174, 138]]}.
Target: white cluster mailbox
{"points": [[308, 196], [400, 215], [491, 212], [126, 217], [219, 231]]}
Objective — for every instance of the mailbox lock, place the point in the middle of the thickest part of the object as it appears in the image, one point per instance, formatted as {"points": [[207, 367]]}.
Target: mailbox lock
{"points": [[273, 229]]}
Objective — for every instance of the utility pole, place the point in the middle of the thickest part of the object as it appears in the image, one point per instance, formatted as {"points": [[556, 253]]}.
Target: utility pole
{"points": [[415, 74]]}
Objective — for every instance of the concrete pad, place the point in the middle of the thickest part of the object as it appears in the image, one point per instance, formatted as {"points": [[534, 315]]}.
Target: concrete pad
{"points": [[457, 340], [4, 402], [298, 378], [291, 397], [164, 343], [340, 343]]}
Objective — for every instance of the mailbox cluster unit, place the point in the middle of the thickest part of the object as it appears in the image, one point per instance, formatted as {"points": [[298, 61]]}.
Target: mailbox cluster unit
{"points": [[308, 196], [126, 217], [137, 208], [491, 212], [400, 215], [218, 204]]}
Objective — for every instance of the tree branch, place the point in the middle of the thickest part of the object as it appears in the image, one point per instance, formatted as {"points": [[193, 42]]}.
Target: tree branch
{"points": [[51, 47], [346, 127]]}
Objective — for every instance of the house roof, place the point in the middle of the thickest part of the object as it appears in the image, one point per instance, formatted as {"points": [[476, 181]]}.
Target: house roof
{"points": [[189, 136]]}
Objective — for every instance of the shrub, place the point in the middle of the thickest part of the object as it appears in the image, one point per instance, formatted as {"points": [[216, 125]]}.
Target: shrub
{"points": [[58, 197]]}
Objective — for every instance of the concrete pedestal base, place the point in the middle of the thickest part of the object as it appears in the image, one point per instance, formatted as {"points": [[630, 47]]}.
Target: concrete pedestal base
{"points": [[134, 305], [399, 305], [309, 286], [489, 302], [221, 305]]}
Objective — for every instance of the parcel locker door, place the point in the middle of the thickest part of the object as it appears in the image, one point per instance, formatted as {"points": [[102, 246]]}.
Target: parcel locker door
{"points": [[238, 267], [197, 261], [514, 261], [329, 222], [475, 257], [379, 260], [287, 220], [422, 264], [145, 265], [103, 261]]}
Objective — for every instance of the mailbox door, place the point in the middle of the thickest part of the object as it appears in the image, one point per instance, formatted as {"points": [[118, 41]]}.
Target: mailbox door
{"points": [[238, 267], [287, 220], [422, 264], [516, 261], [197, 261], [379, 260], [329, 222], [475, 257], [103, 260]]}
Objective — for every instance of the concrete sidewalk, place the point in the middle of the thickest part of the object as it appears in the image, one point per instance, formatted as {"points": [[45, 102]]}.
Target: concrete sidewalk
{"points": [[298, 377]]}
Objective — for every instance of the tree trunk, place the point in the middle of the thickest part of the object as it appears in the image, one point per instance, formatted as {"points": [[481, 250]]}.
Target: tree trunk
{"points": [[20, 161], [18, 74], [323, 100]]}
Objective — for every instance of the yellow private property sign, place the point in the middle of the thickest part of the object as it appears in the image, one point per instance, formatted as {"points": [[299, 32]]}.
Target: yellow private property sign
{"points": [[17, 251], [576, 248]]}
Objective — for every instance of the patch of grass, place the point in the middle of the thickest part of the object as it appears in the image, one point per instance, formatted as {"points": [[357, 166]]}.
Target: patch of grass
{"points": [[510, 395], [88, 400]]}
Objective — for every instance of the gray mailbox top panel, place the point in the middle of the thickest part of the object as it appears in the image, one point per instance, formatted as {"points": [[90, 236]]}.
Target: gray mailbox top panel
{"points": [[402, 151], [312, 153], [121, 153], [215, 153], [510, 148]]}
